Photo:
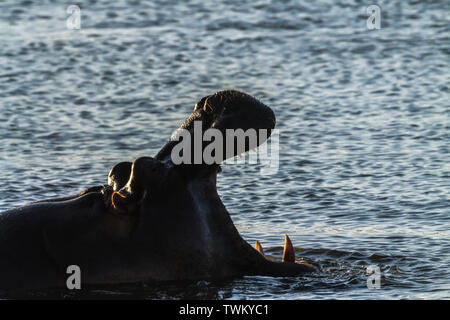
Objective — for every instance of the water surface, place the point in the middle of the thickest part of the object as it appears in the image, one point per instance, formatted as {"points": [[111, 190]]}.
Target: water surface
{"points": [[363, 118]]}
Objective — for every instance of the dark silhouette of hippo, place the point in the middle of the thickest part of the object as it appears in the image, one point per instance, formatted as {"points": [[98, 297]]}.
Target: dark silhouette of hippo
{"points": [[155, 221]]}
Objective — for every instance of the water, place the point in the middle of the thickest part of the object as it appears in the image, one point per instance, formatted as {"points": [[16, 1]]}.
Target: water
{"points": [[363, 118]]}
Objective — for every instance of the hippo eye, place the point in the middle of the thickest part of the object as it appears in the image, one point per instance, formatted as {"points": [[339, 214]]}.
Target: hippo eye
{"points": [[158, 167]]}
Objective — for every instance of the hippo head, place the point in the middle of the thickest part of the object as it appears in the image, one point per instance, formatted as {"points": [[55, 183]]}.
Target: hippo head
{"points": [[156, 220], [176, 214]]}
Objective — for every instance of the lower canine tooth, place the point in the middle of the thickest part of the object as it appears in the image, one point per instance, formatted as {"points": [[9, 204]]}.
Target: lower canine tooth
{"points": [[259, 247], [288, 252]]}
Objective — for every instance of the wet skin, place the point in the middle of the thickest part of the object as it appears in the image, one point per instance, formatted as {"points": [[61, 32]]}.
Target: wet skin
{"points": [[154, 221]]}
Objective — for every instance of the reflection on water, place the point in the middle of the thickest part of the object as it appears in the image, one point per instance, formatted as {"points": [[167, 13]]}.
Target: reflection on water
{"points": [[363, 119]]}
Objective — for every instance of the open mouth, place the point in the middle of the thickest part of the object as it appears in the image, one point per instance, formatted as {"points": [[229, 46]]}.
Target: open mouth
{"points": [[147, 182]]}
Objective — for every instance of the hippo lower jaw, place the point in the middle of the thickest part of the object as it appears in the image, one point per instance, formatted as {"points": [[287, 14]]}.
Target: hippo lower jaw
{"points": [[252, 260], [204, 232]]}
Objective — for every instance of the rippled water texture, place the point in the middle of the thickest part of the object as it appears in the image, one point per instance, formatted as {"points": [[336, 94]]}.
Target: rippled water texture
{"points": [[363, 118]]}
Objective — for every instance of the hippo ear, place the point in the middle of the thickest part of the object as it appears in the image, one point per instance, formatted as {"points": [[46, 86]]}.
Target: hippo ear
{"points": [[288, 252], [119, 202], [124, 203]]}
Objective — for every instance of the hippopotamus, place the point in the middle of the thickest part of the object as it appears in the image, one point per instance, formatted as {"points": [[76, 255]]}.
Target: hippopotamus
{"points": [[153, 221]]}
